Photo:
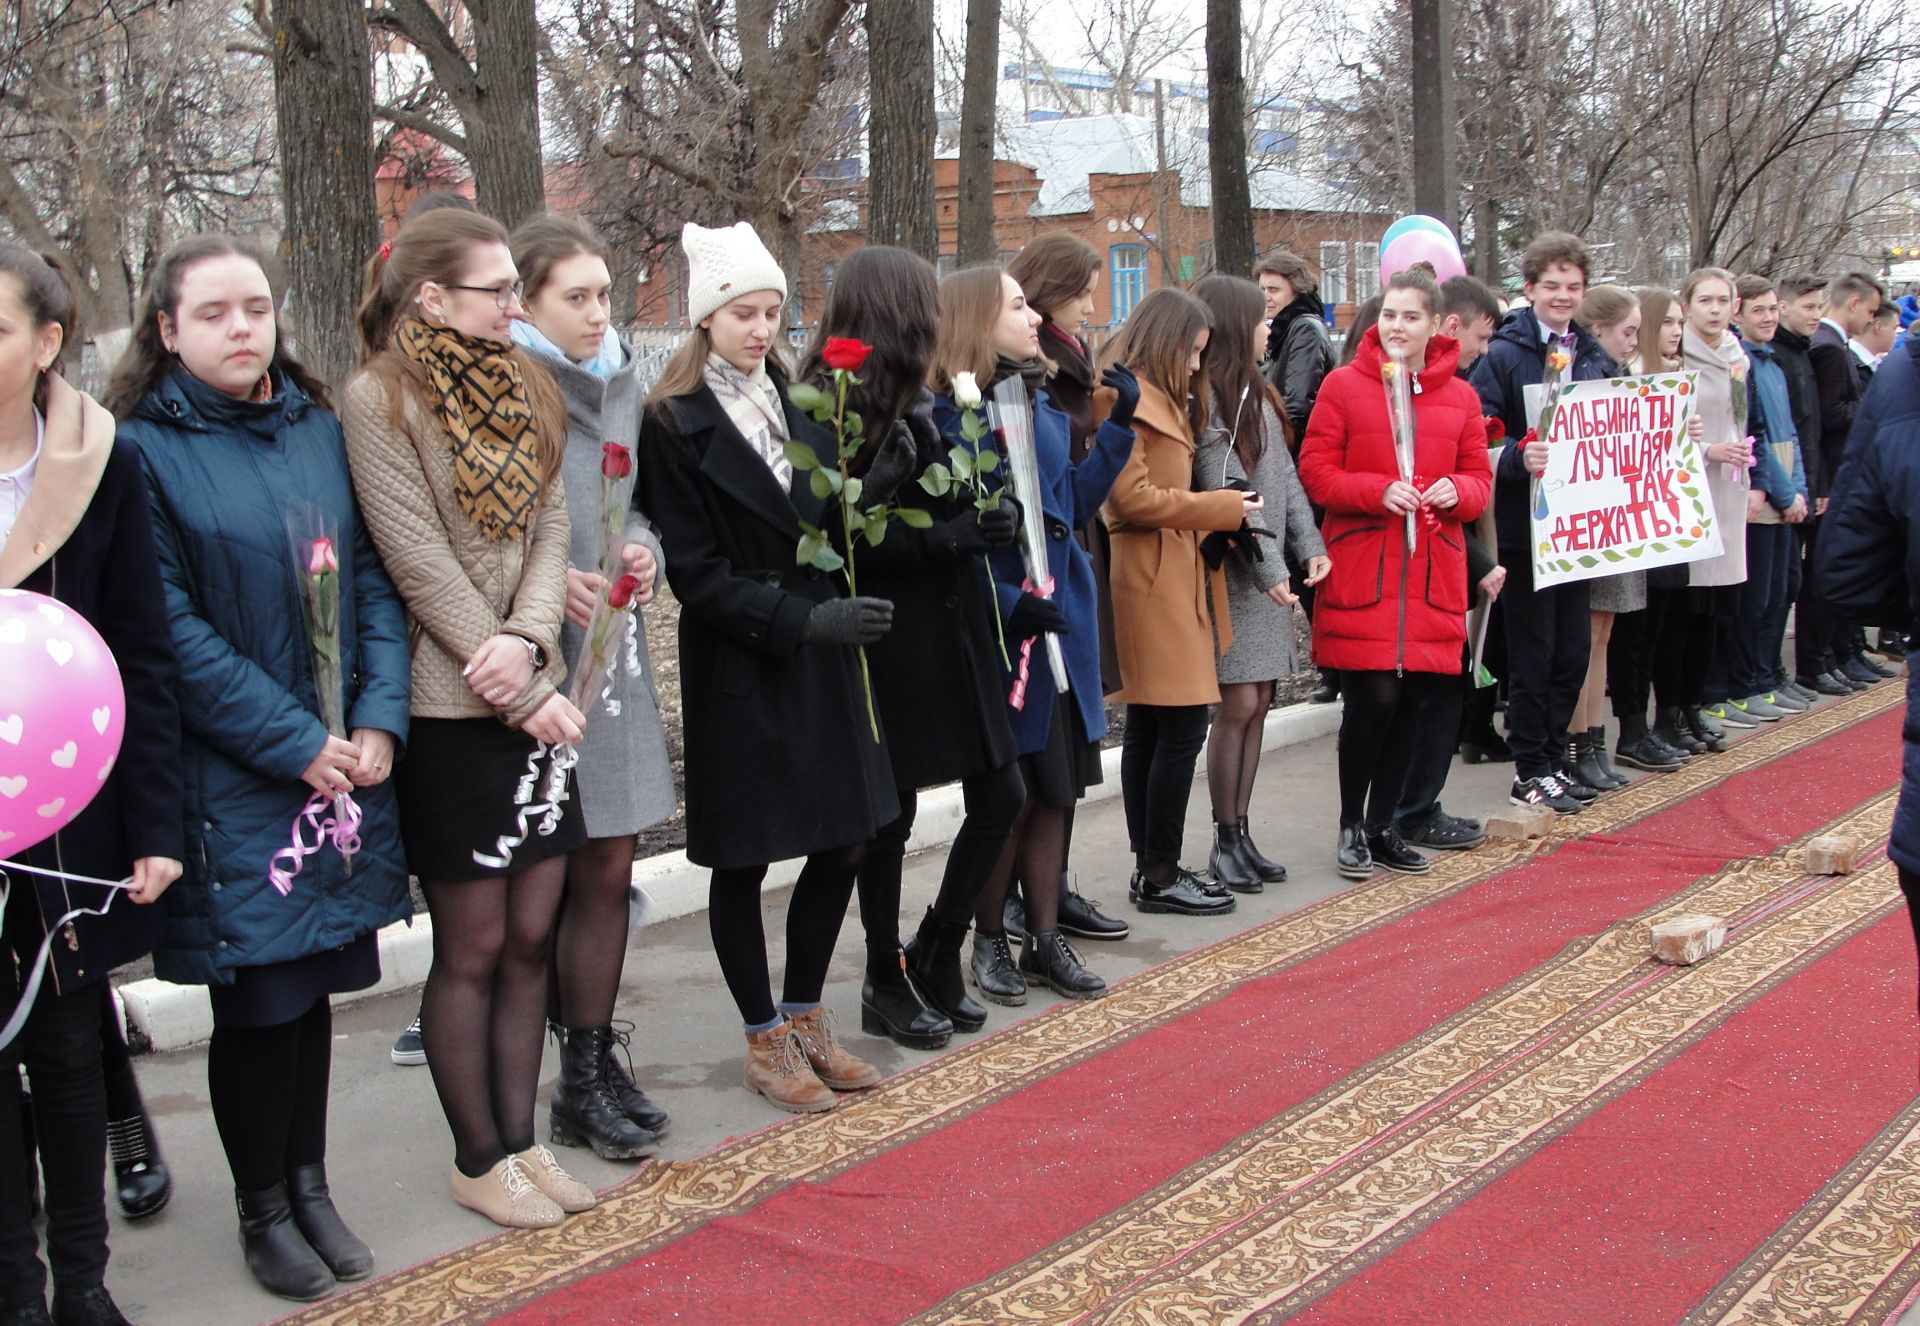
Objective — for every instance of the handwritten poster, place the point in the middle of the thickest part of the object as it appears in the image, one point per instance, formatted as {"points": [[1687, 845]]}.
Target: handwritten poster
{"points": [[1624, 488]]}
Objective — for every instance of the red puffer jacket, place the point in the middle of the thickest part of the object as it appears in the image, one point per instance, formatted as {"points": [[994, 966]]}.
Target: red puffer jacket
{"points": [[1383, 608]]}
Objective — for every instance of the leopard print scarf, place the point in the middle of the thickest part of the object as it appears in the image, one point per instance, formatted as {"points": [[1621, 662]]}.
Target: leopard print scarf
{"points": [[490, 425]]}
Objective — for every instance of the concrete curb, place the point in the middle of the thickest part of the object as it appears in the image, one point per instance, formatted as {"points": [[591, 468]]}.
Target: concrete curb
{"points": [[171, 1017]]}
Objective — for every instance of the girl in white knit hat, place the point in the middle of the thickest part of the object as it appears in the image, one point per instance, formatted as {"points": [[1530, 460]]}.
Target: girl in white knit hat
{"points": [[780, 762]]}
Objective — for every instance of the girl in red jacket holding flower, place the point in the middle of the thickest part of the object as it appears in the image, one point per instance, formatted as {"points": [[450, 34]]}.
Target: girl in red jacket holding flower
{"points": [[1392, 616]]}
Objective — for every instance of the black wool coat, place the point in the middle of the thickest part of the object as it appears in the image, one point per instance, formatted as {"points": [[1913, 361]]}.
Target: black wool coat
{"points": [[780, 762], [1803, 394], [936, 674]]}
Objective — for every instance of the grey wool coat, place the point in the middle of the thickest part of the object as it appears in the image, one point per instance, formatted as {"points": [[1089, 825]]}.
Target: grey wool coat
{"points": [[623, 781], [1263, 631]]}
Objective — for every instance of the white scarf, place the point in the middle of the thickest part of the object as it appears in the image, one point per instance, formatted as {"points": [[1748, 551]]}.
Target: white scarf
{"points": [[753, 404]]}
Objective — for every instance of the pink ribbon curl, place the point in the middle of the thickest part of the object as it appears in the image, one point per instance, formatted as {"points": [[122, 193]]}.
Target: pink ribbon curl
{"points": [[1017, 698], [342, 829]]}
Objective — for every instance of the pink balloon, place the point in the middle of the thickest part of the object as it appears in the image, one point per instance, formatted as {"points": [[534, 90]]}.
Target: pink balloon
{"points": [[1422, 246], [62, 714]]}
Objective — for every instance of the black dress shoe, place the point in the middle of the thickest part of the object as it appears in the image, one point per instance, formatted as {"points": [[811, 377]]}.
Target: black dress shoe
{"points": [[633, 1101], [1051, 961], [1391, 851], [993, 971], [1013, 915], [33, 1312], [1444, 832], [1228, 864], [1184, 895], [91, 1306], [1352, 858], [1082, 917], [1860, 670], [325, 1232], [890, 1008], [280, 1259], [1269, 870], [1644, 754], [1826, 684]]}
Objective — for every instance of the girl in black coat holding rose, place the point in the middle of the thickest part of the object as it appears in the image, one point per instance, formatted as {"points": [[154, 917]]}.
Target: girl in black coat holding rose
{"points": [[780, 762], [936, 674], [74, 525]]}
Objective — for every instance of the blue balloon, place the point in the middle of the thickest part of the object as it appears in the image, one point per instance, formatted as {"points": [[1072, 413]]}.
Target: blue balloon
{"points": [[1417, 222]]}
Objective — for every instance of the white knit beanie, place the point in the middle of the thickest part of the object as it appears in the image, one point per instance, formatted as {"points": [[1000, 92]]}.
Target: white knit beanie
{"points": [[723, 265]]}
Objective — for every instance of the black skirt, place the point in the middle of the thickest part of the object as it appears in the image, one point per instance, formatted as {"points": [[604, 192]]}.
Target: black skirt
{"points": [[468, 809], [282, 991], [1060, 774]]}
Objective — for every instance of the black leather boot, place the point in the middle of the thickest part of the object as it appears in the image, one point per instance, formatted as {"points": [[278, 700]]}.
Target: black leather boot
{"points": [[280, 1259], [88, 1306], [141, 1181], [633, 1101], [933, 965], [1051, 961], [1228, 864], [1597, 744], [1583, 757], [890, 1008], [325, 1232], [584, 1111], [993, 971], [1270, 871]]}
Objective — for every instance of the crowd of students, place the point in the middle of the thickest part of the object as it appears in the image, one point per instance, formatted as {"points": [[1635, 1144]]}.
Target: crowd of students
{"points": [[1204, 472]]}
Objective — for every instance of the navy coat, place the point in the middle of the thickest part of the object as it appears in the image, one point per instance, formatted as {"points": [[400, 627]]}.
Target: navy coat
{"points": [[1869, 565], [1074, 494], [1516, 359], [222, 475]]}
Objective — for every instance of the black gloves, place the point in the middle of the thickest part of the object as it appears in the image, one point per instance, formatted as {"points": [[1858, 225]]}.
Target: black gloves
{"points": [[1033, 615], [1245, 540], [977, 531], [847, 622], [893, 464], [1126, 394]]}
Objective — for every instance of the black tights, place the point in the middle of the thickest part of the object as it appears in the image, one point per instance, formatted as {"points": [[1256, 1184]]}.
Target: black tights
{"points": [[1233, 747], [590, 933], [1378, 727], [483, 1015], [814, 914], [1157, 756], [1038, 848], [268, 1086], [993, 800]]}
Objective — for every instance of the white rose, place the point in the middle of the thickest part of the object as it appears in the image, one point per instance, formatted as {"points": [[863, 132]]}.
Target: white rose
{"points": [[966, 391]]}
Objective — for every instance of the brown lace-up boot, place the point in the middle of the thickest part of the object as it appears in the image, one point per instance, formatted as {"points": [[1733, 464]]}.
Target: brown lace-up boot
{"points": [[777, 1068], [832, 1064]]}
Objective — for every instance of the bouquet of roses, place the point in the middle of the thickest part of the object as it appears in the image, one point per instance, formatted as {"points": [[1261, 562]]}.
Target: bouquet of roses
{"points": [[967, 466], [859, 523], [612, 620]]}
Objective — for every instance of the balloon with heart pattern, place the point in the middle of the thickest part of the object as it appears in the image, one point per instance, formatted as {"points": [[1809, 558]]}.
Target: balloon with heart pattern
{"points": [[62, 714]]}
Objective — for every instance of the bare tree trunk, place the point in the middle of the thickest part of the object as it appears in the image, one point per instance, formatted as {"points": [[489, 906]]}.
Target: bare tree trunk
{"points": [[977, 242], [323, 99], [1227, 141], [504, 137], [900, 126], [1436, 188], [1486, 241]]}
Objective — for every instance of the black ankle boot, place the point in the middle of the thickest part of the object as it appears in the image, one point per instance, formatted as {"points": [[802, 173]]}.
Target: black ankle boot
{"points": [[142, 1182], [993, 971], [584, 1110], [89, 1306], [1228, 864], [1270, 871], [325, 1232], [890, 1008], [280, 1259], [1051, 961], [633, 1101], [933, 965]]}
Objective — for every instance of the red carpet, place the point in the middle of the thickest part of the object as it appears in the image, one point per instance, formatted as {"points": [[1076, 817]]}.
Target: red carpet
{"points": [[1465, 1098]]}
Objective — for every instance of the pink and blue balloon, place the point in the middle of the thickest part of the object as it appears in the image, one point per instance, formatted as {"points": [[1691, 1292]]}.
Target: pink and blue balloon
{"points": [[1417, 239], [62, 715]]}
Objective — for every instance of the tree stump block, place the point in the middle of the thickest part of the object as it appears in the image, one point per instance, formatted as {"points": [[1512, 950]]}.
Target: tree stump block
{"points": [[1832, 854], [1684, 940], [1518, 823]]}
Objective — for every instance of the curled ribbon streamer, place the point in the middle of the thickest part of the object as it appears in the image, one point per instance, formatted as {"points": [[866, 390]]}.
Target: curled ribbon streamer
{"points": [[526, 809], [342, 830], [36, 970], [1017, 697]]}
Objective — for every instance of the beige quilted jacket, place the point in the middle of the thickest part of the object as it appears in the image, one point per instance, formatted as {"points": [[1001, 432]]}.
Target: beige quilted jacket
{"points": [[458, 587]]}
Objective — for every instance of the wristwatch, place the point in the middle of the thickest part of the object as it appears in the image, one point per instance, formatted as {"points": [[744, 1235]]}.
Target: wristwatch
{"points": [[535, 652]]}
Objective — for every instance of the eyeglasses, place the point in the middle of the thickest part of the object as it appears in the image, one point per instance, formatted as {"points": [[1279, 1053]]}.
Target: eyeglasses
{"points": [[504, 296]]}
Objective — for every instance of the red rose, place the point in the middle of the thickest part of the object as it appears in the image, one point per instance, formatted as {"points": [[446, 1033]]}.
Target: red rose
{"points": [[616, 462], [1496, 430], [621, 595], [845, 353]]}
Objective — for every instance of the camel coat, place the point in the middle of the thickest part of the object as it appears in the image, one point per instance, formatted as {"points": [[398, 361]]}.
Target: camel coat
{"points": [[1161, 629]]}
